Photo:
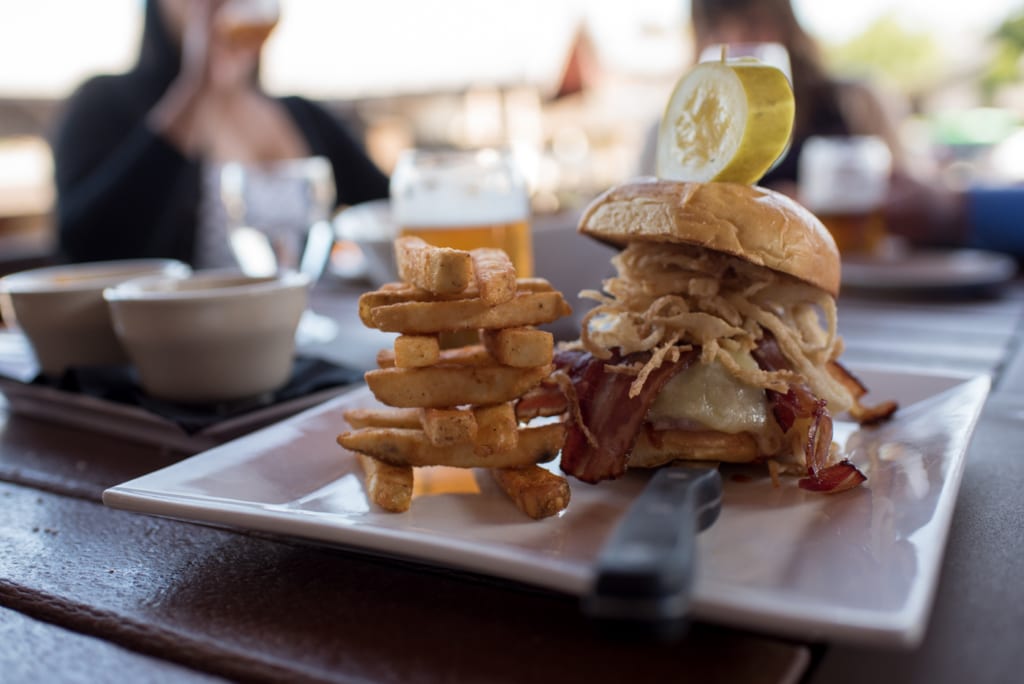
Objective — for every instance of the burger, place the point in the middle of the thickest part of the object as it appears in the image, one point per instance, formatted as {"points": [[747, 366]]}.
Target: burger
{"points": [[715, 341]]}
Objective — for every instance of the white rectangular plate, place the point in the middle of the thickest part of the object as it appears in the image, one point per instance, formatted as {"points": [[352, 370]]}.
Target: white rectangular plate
{"points": [[860, 566]]}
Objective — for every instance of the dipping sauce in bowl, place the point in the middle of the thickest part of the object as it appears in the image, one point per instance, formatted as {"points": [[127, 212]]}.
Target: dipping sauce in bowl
{"points": [[211, 337]]}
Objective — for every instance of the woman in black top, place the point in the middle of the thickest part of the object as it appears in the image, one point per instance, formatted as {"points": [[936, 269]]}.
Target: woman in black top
{"points": [[131, 148]]}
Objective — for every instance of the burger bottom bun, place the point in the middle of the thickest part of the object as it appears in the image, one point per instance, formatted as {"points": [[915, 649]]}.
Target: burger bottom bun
{"points": [[667, 446]]}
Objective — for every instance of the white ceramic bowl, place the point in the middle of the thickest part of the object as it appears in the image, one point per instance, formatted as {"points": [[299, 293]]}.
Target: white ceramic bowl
{"points": [[62, 313], [215, 336]]}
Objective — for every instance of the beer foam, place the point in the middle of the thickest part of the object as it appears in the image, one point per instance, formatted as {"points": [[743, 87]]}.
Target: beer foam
{"points": [[247, 12], [449, 208]]}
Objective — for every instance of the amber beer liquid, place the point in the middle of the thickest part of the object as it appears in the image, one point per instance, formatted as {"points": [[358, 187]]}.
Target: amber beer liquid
{"points": [[513, 236], [247, 23], [248, 35], [855, 232]]}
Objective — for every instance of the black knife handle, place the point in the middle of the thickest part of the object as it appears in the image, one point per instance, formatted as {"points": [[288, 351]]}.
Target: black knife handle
{"points": [[646, 569]]}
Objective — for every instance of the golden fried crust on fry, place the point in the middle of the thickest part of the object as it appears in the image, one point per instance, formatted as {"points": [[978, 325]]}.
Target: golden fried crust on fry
{"points": [[416, 351], [535, 491], [435, 269], [383, 417], [494, 274], [520, 347], [388, 486], [473, 355], [399, 293], [449, 426], [444, 386], [496, 428], [423, 318], [653, 449], [411, 447]]}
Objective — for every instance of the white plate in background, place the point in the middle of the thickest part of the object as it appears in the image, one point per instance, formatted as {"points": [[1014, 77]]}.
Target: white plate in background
{"points": [[860, 566], [929, 271]]}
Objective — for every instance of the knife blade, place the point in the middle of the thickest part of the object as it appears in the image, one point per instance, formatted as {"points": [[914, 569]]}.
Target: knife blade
{"points": [[645, 570]]}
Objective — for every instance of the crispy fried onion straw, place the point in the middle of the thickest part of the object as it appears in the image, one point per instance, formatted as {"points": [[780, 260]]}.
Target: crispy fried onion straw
{"points": [[666, 295]]}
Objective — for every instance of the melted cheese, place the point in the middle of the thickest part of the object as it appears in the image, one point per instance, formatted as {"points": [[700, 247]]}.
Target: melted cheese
{"points": [[708, 394]]}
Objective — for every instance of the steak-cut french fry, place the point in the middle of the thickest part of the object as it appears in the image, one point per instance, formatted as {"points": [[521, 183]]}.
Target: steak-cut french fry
{"points": [[655, 448], [411, 447], [416, 351], [383, 417], [494, 274], [399, 293], [535, 491], [424, 318], [496, 428], [389, 486], [520, 347], [449, 426], [435, 269], [460, 407], [444, 386], [473, 355]]}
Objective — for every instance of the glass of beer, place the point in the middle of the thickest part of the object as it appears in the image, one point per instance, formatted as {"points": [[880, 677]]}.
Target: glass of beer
{"points": [[464, 199], [247, 24], [844, 181]]}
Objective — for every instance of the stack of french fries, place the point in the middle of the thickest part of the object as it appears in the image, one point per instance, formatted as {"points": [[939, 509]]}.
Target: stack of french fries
{"points": [[457, 406]]}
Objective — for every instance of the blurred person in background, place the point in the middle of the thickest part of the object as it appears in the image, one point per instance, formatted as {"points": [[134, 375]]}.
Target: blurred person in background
{"points": [[917, 205], [137, 155]]}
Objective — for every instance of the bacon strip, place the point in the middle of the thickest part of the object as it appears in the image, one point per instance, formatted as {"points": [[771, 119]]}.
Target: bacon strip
{"points": [[542, 400], [834, 479], [865, 415], [801, 410], [607, 411]]}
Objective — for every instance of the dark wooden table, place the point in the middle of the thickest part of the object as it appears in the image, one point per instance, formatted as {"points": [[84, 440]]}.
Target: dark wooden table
{"points": [[92, 594]]}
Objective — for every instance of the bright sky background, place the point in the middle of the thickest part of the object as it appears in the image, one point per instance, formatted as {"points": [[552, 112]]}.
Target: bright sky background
{"points": [[838, 20], [47, 46]]}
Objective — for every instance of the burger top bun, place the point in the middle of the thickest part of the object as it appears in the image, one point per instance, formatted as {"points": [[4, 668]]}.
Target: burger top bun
{"points": [[762, 226]]}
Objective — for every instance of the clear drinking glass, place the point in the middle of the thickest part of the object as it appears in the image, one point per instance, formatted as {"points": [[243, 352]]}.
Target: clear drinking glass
{"points": [[279, 219], [773, 54], [464, 199]]}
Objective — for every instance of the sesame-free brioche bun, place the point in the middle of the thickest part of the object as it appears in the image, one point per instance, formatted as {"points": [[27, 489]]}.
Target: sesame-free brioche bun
{"points": [[762, 226]]}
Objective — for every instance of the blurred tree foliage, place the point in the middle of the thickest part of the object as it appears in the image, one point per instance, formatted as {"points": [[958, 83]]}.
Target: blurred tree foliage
{"points": [[1004, 67], [911, 61]]}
